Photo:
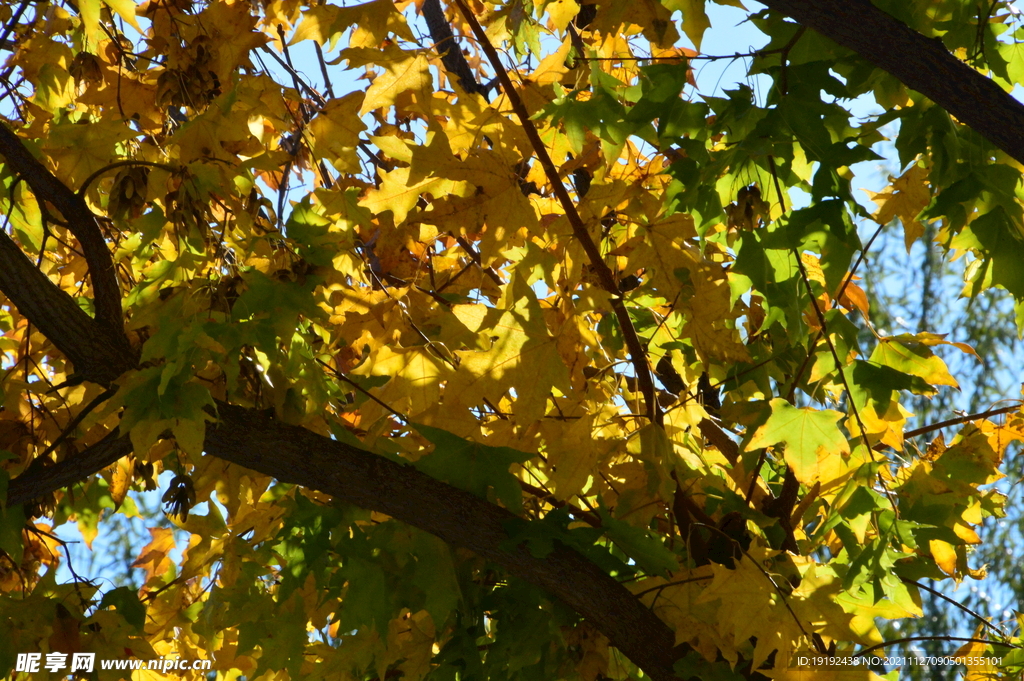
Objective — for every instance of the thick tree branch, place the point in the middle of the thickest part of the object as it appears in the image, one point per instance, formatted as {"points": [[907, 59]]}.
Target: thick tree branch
{"points": [[39, 479], [96, 352], [292, 454], [247, 437], [451, 56], [81, 222], [920, 63]]}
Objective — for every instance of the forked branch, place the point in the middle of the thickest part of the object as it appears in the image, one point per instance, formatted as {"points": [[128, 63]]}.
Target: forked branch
{"points": [[80, 221]]}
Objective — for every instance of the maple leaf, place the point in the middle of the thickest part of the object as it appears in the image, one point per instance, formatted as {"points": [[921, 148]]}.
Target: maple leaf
{"points": [[472, 466], [336, 132], [402, 71], [749, 606], [905, 198], [524, 357], [154, 558], [572, 454], [811, 438], [374, 22]]}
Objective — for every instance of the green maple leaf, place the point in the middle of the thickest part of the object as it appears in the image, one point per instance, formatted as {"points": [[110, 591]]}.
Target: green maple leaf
{"points": [[472, 466], [809, 435]]}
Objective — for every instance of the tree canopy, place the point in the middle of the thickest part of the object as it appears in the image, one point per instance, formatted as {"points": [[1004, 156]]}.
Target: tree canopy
{"points": [[523, 359]]}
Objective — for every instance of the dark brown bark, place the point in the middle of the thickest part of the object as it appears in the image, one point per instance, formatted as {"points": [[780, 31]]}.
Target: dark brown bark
{"points": [[921, 63], [445, 43], [39, 480], [80, 221], [99, 353]]}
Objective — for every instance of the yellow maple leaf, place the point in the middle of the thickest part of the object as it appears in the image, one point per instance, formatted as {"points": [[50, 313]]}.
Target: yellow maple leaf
{"points": [[885, 427], [572, 452], [154, 556], [944, 554], [336, 132], [751, 606], [398, 192], [562, 12], [401, 71], [814, 602], [905, 198], [523, 357], [416, 376], [374, 22], [467, 120], [651, 17], [676, 599]]}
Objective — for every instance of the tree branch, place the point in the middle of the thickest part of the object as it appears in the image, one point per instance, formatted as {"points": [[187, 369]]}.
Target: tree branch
{"points": [[291, 454], [93, 349], [960, 419], [920, 63], [81, 222], [451, 56], [39, 479], [637, 355]]}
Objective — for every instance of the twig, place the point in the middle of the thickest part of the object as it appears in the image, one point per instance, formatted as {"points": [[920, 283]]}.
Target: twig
{"points": [[911, 639], [960, 419], [343, 377], [323, 69], [475, 255], [778, 589], [117, 164], [757, 474], [842, 377], [12, 22], [952, 602], [842, 289], [636, 351], [577, 512], [661, 587]]}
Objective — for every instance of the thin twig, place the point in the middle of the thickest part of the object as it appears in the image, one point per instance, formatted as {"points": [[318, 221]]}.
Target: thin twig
{"points": [[911, 639], [323, 69], [544, 495], [842, 289], [636, 351], [661, 587], [74, 423], [15, 18], [952, 602], [337, 374], [960, 419], [117, 164]]}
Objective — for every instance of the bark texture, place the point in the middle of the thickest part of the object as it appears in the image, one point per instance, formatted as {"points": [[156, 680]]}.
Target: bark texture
{"points": [[921, 63]]}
